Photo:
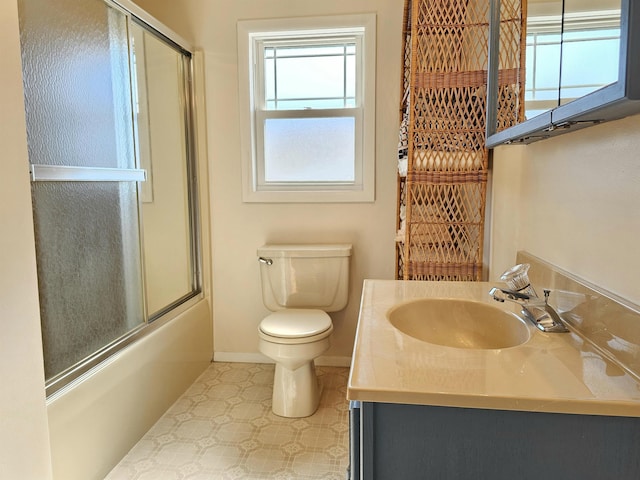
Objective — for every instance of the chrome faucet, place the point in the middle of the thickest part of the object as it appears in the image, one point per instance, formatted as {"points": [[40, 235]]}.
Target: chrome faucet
{"points": [[534, 308]]}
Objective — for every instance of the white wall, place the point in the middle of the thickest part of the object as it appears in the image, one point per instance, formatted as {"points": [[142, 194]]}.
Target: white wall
{"points": [[574, 201], [24, 436], [238, 228]]}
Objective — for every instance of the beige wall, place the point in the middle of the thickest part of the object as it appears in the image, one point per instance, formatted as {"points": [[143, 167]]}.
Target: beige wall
{"points": [[87, 429], [24, 438], [571, 200], [574, 201], [239, 228]]}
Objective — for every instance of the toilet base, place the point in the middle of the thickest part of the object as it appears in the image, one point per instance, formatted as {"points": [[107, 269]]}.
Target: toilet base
{"points": [[295, 392]]}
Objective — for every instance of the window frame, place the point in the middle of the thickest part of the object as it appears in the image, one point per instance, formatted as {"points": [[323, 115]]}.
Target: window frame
{"points": [[252, 36]]}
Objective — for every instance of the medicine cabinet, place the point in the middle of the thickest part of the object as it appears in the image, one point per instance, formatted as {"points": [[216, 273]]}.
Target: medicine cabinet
{"points": [[559, 65]]}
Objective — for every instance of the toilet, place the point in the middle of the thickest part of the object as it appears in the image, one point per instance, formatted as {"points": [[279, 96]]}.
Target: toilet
{"points": [[300, 284]]}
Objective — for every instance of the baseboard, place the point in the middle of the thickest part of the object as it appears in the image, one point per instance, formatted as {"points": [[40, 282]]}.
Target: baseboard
{"points": [[323, 361], [240, 357], [249, 357]]}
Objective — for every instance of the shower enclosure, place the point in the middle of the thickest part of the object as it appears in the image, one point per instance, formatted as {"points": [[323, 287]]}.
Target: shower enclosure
{"points": [[110, 136]]}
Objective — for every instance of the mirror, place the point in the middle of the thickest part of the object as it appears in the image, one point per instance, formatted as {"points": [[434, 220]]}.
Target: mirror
{"points": [[590, 47], [577, 66], [542, 66]]}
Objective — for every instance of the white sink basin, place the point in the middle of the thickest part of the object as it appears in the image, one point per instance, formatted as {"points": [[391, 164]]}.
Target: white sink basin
{"points": [[459, 323]]}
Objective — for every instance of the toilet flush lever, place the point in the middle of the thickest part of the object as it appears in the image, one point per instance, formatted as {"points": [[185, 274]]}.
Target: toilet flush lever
{"points": [[266, 261]]}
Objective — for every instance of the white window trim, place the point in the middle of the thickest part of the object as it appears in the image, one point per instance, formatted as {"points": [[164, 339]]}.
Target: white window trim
{"points": [[316, 192]]}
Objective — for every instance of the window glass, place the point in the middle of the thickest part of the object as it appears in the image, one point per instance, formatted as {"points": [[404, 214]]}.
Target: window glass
{"points": [[305, 77], [296, 150]]}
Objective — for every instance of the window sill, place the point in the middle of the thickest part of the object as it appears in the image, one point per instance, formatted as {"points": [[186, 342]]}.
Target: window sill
{"points": [[309, 196]]}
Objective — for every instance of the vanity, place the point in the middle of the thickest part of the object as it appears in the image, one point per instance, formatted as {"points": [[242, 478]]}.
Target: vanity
{"points": [[453, 406]]}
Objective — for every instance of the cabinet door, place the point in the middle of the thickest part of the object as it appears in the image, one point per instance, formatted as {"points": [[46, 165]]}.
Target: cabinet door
{"points": [[432, 442], [599, 70]]}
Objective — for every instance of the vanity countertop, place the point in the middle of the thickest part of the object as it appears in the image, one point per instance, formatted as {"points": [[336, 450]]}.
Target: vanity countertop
{"points": [[551, 372]]}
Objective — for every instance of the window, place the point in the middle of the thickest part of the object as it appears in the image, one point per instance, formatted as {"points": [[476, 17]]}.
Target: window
{"points": [[308, 109]]}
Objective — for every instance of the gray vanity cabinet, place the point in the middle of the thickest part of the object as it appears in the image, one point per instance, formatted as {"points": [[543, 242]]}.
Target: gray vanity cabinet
{"points": [[410, 442], [592, 88]]}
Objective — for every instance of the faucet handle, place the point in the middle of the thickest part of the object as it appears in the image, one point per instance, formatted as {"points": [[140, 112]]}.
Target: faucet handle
{"points": [[517, 279], [501, 294]]}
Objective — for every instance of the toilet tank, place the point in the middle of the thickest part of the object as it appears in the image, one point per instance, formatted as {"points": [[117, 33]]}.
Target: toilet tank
{"points": [[305, 276]]}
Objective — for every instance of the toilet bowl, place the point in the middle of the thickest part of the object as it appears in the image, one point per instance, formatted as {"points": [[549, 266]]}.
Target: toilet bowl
{"points": [[300, 283], [296, 392]]}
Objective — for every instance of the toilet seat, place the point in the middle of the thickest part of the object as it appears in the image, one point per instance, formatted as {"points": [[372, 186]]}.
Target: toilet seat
{"points": [[296, 326], [295, 341]]}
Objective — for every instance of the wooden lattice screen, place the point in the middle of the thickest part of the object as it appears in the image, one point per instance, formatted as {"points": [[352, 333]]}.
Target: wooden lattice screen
{"points": [[442, 194]]}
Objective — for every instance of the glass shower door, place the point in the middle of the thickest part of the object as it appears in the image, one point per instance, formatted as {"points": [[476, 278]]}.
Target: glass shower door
{"points": [[84, 176]]}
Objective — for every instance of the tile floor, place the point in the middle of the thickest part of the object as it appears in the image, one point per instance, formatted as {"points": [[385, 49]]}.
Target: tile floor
{"points": [[223, 428]]}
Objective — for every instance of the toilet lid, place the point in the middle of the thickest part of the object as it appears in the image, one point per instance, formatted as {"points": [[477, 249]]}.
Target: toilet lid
{"points": [[296, 323]]}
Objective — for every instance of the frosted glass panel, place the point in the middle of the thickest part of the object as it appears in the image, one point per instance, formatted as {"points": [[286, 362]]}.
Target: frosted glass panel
{"points": [[76, 79], [78, 111], [88, 272], [309, 150]]}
